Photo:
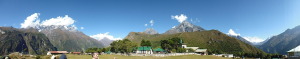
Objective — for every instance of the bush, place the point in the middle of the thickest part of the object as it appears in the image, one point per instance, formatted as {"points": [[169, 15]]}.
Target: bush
{"points": [[190, 50], [181, 50], [173, 50]]}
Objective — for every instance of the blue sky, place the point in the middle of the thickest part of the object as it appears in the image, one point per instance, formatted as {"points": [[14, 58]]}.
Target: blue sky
{"points": [[249, 18]]}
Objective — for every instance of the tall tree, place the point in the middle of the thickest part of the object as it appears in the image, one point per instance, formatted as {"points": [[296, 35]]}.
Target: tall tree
{"points": [[145, 43], [171, 44], [123, 46], [148, 43]]}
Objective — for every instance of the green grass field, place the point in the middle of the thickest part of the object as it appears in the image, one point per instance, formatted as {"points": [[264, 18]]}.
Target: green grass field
{"points": [[71, 56]]}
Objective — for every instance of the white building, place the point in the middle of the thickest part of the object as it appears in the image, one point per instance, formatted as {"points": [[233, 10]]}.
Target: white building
{"points": [[144, 50], [185, 46], [294, 53], [225, 55]]}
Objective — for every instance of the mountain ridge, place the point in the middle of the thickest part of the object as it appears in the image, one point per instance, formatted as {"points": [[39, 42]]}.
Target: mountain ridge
{"points": [[283, 42], [150, 31], [185, 26], [27, 41], [213, 40], [70, 40]]}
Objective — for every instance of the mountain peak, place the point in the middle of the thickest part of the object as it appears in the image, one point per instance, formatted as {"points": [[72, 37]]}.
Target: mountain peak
{"points": [[283, 42], [185, 26], [150, 31], [232, 33]]}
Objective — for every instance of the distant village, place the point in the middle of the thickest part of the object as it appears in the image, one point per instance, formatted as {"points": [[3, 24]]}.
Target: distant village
{"points": [[144, 49]]}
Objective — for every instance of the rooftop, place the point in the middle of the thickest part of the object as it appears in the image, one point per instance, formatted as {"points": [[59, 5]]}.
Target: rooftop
{"points": [[158, 49], [143, 48], [297, 49]]}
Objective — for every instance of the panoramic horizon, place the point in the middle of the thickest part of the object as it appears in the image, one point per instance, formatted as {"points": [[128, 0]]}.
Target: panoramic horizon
{"points": [[150, 29], [254, 20]]}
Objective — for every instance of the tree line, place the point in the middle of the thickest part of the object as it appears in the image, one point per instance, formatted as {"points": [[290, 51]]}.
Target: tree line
{"points": [[172, 45]]}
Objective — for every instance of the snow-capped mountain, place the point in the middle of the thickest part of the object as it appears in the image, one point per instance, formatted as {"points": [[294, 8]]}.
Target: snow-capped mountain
{"points": [[240, 38], [283, 42], [247, 40], [185, 26], [69, 39], [61, 31], [150, 31]]}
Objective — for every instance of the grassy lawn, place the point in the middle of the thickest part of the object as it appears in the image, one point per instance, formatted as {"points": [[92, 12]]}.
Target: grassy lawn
{"points": [[71, 56]]}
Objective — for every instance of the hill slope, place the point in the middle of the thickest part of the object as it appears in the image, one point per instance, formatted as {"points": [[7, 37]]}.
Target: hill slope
{"points": [[28, 41], [212, 40], [282, 42], [70, 40]]}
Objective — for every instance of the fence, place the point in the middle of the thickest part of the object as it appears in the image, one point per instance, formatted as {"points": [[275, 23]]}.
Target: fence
{"points": [[162, 55]]}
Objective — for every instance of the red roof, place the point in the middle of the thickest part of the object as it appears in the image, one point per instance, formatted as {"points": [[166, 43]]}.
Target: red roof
{"points": [[58, 51], [76, 52]]}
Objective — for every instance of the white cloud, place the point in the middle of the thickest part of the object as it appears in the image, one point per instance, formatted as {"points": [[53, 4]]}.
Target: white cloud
{"points": [[173, 27], [195, 20], [151, 22], [103, 36], [248, 38], [31, 21], [254, 39], [81, 27], [60, 21], [231, 32], [180, 18]]}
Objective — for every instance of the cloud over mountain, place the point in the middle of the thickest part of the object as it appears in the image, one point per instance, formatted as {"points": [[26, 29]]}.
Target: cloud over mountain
{"points": [[231, 32], [248, 38], [151, 23], [180, 18], [81, 27], [31, 21], [60, 21], [103, 36], [254, 39], [34, 22]]}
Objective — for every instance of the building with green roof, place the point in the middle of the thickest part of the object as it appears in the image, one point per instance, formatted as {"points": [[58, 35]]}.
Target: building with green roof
{"points": [[144, 50], [159, 50]]}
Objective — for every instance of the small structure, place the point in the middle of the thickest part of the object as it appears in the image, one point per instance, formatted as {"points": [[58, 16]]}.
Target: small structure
{"points": [[78, 53], [294, 53], [144, 50], [108, 52], [159, 50], [56, 52], [201, 51], [225, 55], [228, 55], [185, 46]]}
